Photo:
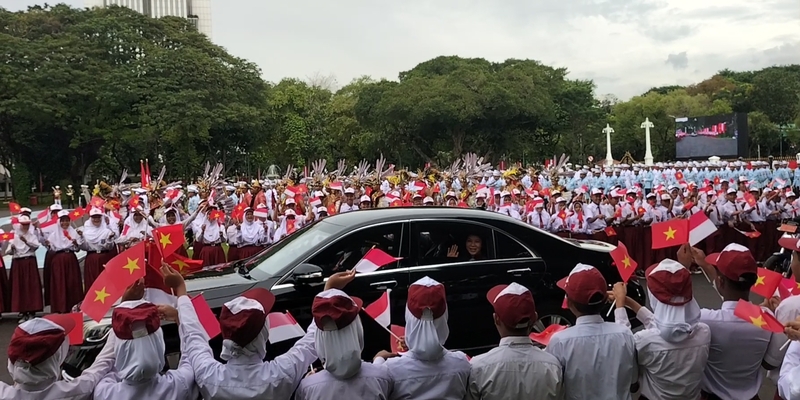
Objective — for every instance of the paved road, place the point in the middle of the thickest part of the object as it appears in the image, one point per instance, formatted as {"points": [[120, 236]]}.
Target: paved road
{"points": [[704, 294]]}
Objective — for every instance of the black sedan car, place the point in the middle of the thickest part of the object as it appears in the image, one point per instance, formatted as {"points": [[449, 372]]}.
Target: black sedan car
{"points": [[467, 250]]}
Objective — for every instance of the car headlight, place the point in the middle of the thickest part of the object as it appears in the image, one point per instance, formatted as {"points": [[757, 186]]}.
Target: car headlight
{"points": [[94, 332]]}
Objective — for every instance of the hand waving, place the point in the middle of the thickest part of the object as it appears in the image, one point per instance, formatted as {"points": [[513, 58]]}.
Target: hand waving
{"points": [[340, 279]]}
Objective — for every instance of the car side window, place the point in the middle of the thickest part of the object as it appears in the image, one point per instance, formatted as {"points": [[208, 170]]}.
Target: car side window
{"points": [[505, 247], [449, 242], [346, 251]]}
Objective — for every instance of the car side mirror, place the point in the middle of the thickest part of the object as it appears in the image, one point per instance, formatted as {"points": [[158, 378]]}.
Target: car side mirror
{"points": [[307, 274]]}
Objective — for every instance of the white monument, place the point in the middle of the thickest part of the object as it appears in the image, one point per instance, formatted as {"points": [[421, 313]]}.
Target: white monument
{"points": [[608, 130], [648, 153]]}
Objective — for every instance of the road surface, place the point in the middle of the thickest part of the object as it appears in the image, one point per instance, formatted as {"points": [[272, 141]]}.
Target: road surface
{"points": [[704, 293]]}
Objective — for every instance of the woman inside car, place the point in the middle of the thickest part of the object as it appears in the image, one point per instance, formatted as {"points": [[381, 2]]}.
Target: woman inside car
{"points": [[474, 249]]}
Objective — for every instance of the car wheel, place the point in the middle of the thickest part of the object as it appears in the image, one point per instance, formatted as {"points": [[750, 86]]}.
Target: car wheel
{"points": [[551, 319]]}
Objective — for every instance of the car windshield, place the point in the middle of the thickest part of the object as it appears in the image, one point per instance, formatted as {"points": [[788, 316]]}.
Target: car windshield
{"points": [[277, 258]]}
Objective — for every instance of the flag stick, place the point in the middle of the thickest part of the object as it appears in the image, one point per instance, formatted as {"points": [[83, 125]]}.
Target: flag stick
{"points": [[785, 344]]}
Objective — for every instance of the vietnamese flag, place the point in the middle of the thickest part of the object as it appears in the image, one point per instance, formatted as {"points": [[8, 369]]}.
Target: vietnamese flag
{"points": [[134, 201], [750, 199], [610, 231], [674, 232], [216, 215], [716, 180], [14, 208], [169, 238], [97, 202], [757, 316], [331, 209], [562, 214], [238, 212], [767, 283], [186, 266], [625, 264], [76, 213], [679, 175], [641, 211], [122, 271], [5, 237]]}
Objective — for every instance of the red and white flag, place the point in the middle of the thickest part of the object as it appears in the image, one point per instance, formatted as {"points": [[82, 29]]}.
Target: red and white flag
{"points": [[315, 202], [283, 327], [416, 186], [700, 227], [374, 259], [380, 310], [336, 186], [290, 191]]}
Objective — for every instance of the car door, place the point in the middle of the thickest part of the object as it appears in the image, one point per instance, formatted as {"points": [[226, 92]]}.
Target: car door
{"points": [[466, 278], [342, 254]]}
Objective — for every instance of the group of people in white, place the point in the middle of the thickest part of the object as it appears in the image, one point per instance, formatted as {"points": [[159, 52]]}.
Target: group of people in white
{"points": [[682, 352]]}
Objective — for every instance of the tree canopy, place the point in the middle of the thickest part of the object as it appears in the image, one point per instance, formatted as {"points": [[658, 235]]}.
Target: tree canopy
{"points": [[85, 93]]}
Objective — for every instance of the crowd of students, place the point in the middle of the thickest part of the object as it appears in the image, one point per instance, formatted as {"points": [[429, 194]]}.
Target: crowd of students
{"points": [[682, 352]]}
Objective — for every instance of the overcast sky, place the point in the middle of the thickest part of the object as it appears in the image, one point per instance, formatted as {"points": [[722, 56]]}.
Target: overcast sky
{"points": [[625, 46]]}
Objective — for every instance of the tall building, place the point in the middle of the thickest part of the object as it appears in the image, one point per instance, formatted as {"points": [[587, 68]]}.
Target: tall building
{"points": [[197, 11]]}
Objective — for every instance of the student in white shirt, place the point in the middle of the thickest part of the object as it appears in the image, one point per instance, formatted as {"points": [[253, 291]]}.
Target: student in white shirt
{"points": [[516, 369], [599, 358], [739, 350], [672, 349]]}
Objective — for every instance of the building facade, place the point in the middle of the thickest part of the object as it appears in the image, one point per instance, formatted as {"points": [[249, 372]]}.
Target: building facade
{"points": [[197, 11]]}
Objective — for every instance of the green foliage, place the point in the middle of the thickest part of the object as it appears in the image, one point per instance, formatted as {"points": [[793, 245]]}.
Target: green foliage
{"points": [[86, 93], [21, 183]]}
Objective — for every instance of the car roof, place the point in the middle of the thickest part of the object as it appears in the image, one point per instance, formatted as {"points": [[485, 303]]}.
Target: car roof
{"points": [[398, 213]]}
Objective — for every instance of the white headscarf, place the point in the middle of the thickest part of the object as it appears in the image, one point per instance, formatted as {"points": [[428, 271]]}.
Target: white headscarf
{"points": [[252, 232], [213, 233], [163, 220], [33, 377], [59, 239], [425, 337], [340, 350], [140, 359], [675, 323], [96, 235], [134, 229]]}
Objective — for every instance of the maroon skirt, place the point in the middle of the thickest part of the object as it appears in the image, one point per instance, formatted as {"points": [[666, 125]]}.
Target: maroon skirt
{"points": [[212, 255], [197, 249], [5, 294], [93, 266], [249, 251], [26, 293], [65, 284], [233, 253], [182, 252], [46, 274]]}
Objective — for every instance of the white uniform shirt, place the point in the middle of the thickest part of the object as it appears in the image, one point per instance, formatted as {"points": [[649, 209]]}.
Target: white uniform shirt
{"points": [[733, 371], [668, 371], [593, 210], [515, 370], [599, 359], [175, 384], [444, 379], [80, 388], [539, 219], [372, 382], [789, 382], [242, 377], [345, 208]]}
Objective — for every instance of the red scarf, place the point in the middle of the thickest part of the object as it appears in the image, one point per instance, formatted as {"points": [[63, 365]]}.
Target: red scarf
{"points": [[66, 234]]}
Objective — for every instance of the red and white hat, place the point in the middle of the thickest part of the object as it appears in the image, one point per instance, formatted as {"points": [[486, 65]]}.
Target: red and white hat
{"points": [[261, 212], [735, 262], [243, 318], [135, 319], [426, 295], [584, 285], [670, 282], [333, 309], [37, 340], [97, 212], [513, 304]]}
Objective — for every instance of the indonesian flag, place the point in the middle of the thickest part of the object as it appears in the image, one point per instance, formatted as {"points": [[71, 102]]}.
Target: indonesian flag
{"points": [[380, 310], [336, 186], [482, 189], [700, 227], [42, 215], [417, 186], [392, 196], [283, 327], [374, 259], [290, 191], [315, 202]]}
